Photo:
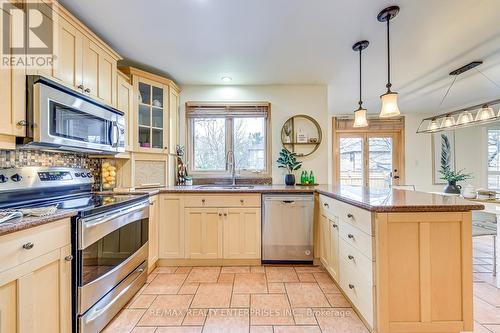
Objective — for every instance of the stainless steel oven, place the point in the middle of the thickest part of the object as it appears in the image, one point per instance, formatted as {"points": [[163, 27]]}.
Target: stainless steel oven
{"points": [[63, 119], [111, 262]]}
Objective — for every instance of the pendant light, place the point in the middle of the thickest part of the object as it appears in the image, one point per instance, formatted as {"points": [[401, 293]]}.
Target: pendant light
{"points": [[389, 99], [360, 113]]}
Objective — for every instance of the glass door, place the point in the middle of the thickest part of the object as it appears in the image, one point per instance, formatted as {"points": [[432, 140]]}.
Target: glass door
{"points": [[368, 159], [152, 116]]}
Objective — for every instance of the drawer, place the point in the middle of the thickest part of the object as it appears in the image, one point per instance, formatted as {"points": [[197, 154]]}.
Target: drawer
{"points": [[356, 216], [359, 291], [357, 239], [326, 204], [45, 238], [357, 261], [232, 200]]}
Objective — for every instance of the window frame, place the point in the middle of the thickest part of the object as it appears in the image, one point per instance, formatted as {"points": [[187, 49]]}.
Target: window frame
{"points": [[266, 173], [488, 172]]}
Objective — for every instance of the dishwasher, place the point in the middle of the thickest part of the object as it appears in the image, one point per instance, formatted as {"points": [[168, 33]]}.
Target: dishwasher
{"points": [[287, 228]]}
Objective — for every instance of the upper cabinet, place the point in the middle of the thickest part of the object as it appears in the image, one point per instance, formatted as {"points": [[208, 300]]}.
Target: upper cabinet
{"points": [[125, 100], [156, 107]]}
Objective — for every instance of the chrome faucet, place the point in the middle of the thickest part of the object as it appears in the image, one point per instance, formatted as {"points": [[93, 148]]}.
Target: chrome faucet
{"points": [[230, 155]]}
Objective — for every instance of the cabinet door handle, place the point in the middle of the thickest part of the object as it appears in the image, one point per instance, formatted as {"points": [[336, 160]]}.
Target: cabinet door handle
{"points": [[220, 214], [242, 201], [335, 226], [350, 216], [22, 123], [225, 214], [203, 201], [80, 86], [351, 286], [326, 205], [350, 257], [87, 90], [68, 258], [28, 246], [351, 236]]}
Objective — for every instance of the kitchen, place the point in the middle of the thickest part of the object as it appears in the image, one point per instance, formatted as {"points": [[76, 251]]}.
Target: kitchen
{"points": [[160, 173]]}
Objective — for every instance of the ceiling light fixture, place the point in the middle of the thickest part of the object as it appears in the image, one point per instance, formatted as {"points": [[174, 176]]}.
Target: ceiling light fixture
{"points": [[360, 113], [226, 79], [389, 99]]}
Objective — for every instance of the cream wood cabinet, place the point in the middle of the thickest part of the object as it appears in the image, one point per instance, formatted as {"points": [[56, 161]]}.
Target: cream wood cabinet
{"points": [[402, 272], [12, 97], [35, 279], [242, 233], [171, 226], [204, 233], [153, 231], [124, 103]]}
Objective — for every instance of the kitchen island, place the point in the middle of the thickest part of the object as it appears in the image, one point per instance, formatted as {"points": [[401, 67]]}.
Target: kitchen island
{"points": [[402, 258]]}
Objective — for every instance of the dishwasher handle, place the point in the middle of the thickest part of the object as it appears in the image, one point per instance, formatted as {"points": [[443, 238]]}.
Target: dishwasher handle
{"points": [[288, 201]]}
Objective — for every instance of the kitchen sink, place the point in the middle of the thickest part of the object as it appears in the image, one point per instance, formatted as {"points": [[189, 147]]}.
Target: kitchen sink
{"points": [[225, 187]]}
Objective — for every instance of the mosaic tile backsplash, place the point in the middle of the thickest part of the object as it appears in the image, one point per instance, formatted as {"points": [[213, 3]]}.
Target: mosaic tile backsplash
{"points": [[20, 158]]}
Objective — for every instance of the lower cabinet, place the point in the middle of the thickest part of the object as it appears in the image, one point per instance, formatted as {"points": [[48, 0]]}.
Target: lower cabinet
{"points": [[204, 231], [153, 232], [171, 227], [329, 251], [242, 233], [35, 295]]}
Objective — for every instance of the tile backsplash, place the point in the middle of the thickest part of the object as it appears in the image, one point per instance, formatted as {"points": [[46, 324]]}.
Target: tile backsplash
{"points": [[21, 158]]}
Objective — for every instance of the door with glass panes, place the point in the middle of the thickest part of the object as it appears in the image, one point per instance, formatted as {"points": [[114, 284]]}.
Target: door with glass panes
{"points": [[368, 159]]}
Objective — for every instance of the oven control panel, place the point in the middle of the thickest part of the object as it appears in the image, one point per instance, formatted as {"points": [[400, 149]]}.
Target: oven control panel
{"points": [[40, 177]]}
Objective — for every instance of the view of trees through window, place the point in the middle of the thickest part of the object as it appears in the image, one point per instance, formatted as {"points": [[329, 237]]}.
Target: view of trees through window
{"points": [[214, 137], [494, 159]]}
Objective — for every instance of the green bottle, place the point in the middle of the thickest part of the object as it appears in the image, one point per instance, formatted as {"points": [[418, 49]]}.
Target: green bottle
{"points": [[311, 178], [303, 177]]}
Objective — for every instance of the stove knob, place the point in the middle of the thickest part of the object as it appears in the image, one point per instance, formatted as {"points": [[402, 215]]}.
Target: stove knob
{"points": [[77, 174], [16, 177], [3, 179], [83, 175], [89, 175]]}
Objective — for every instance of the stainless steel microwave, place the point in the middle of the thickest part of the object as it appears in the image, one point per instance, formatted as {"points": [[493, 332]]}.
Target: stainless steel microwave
{"points": [[59, 118]]}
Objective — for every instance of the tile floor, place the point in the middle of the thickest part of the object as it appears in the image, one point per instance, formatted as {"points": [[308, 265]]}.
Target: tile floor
{"points": [[270, 300]]}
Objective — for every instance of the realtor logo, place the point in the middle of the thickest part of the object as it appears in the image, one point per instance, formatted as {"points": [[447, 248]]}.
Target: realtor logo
{"points": [[27, 35]]}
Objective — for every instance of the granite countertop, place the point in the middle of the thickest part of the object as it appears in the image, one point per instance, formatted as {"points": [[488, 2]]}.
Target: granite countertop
{"points": [[33, 221], [375, 200]]}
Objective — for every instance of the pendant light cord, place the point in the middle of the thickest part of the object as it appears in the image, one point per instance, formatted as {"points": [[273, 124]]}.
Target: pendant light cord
{"points": [[360, 101], [448, 91], [488, 78], [389, 85]]}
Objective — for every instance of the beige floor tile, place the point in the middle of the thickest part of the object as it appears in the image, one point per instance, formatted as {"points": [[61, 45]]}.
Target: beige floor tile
{"points": [[188, 288], [270, 309], [261, 329], [276, 287], [226, 278], [308, 269], [251, 283], [339, 321], [297, 329], [144, 330], [487, 293], [303, 295], [281, 274], [195, 317], [326, 283], [142, 301], [165, 284], [183, 270], [485, 313], [492, 328], [203, 274], [337, 301], [151, 277], [227, 321], [306, 277], [124, 321], [257, 269], [212, 295], [182, 329], [235, 269], [478, 328], [487, 277], [240, 301], [164, 269], [166, 310], [304, 316]]}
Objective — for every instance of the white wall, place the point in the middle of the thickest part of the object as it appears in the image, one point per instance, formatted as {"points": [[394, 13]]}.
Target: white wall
{"points": [[286, 101]]}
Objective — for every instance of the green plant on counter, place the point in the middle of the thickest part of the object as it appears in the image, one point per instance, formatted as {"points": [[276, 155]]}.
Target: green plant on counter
{"points": [[289, 161], [452, 176]]}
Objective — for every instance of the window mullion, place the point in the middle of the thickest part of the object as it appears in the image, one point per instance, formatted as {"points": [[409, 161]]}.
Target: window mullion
{"points": [[229, 139]]}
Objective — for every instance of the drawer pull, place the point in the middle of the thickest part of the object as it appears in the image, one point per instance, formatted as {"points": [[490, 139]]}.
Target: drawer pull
{"points": [[351, 286], [28, 246], [203, 201], [242, 201], [80, 86], [350, 216], [225, 214], [87, 90], [350, 257], [351, 236], [68, 258], [220, 214], [335, 225], [326, 205]]}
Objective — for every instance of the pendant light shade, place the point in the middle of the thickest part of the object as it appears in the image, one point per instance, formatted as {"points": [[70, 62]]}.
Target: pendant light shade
{"points": [[485, 113], [389, 105], [465, 118], [360, 114], [389, 99]]}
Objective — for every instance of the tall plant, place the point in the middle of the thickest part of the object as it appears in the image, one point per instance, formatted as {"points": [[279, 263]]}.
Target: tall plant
{"points": [[445, 154], [288, 160]]}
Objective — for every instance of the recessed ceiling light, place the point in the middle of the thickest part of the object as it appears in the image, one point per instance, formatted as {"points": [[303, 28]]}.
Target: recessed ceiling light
{"points": [[226, 79]]}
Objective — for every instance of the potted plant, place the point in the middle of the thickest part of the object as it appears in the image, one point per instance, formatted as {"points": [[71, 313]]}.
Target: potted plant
{"points": [[288, 160], [452, 177]]}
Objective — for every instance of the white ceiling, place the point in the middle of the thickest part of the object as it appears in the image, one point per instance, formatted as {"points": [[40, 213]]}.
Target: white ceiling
{"points": [[309, 42]]}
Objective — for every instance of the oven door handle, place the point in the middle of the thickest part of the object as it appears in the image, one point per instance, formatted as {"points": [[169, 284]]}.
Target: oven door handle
{"points": [[95, 221]]}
